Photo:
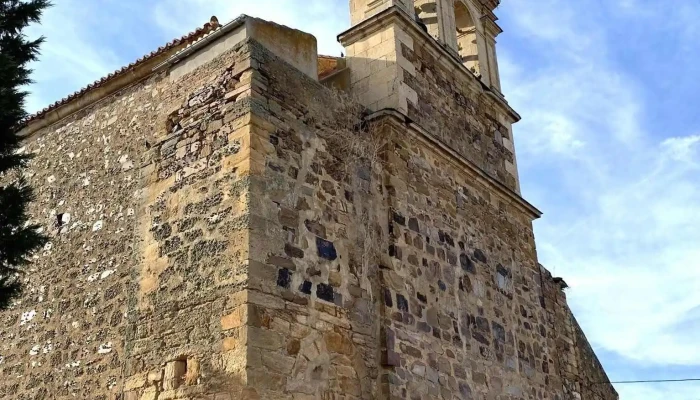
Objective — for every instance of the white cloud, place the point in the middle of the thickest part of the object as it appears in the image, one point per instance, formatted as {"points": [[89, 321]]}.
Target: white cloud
{"points": [[86, 40], [628, 241], [70, 57], [665, 391], [683, 149], [633, 261], [325, 19]]}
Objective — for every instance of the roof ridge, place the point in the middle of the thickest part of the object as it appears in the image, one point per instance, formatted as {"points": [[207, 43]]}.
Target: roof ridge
{"points": [[187, 39]]}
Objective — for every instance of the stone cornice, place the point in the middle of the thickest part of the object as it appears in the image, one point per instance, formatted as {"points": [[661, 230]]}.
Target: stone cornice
{"points": [[491, 4], [444, 57], [491, 27], [504, 193], [371, 25]]}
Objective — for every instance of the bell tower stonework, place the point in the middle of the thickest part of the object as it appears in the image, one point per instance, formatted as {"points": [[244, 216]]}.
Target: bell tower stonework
{"points": [[409, 62], [363, 9], [234, 217]]}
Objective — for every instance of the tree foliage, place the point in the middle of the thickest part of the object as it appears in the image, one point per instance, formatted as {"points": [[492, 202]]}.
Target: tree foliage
{"points": [[18, 237]]}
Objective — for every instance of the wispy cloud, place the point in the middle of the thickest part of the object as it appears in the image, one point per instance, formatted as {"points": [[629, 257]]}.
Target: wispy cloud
{"points": [[86, 40], [73, 54], [621, 192], [323, 18]]}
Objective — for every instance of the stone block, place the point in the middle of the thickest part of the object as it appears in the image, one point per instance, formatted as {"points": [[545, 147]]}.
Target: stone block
{"points": [[284, 278], [135, 382], [326, 249], [155, 376], [265, 300], [237, 318], [325, 292], [150, 393], [277, 362], [338, 343], [265, 339], [174, 374], [168, 395]]}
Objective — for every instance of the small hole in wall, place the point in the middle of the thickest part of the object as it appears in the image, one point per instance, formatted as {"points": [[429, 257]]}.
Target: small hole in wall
{"points": [[62, 220], [59, 220], [183, 371]]}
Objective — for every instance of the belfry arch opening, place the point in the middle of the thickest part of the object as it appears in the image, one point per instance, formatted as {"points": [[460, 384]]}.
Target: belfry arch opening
{"points": [[454, 25], [467, 37], [427, 13]]}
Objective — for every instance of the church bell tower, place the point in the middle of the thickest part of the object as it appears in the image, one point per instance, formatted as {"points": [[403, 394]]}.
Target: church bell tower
{"points": [[399, 53], [466, 29]]}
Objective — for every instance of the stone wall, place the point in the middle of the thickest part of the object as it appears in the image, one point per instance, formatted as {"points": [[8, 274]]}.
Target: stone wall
{"points": [[453, 306], [313, 328], [462, 288], [229, 234], [594, 380], [396, 65], [195, 240], [144, 198], [451, 109], [581, 374], [65, 337]]}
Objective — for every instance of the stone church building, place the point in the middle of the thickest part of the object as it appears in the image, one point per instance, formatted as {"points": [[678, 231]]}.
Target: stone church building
{"points": [[234, 216]]}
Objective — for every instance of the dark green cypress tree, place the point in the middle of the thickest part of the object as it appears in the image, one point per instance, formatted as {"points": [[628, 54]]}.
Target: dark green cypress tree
{"points": [[18, 239]]}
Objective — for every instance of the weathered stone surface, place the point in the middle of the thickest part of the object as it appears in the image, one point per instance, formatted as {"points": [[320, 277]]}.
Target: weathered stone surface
{"points": [[284, 278], [326, 249], [214, 236], [305, 287], [325, 292]]}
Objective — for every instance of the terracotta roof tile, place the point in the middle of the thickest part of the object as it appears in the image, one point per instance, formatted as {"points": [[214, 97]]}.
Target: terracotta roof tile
{"points": [[187, 40], [326, 65]]}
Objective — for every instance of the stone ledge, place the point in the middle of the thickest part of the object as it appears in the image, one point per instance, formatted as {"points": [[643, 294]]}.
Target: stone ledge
{"points": [[504, 192], [444, 57]]}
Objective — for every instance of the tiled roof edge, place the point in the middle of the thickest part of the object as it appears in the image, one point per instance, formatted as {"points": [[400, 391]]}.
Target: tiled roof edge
{"points": [[186, 40]]}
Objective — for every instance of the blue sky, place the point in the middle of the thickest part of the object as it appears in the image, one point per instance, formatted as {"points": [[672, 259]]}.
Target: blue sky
{"points": [[609, 146]]}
